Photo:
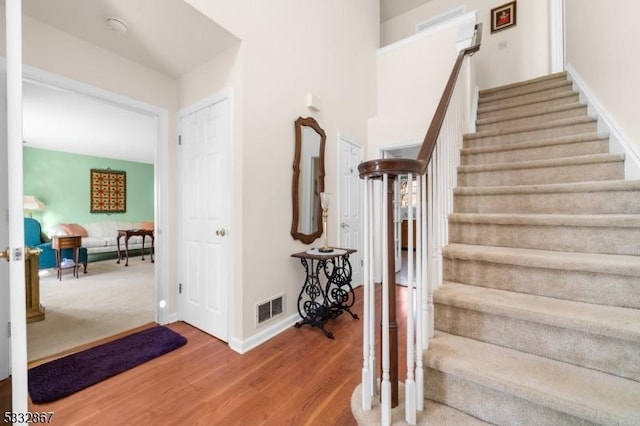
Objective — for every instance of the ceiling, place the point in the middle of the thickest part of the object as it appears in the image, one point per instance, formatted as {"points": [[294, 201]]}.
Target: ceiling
{"points": [[168, 36], [60, 120]]}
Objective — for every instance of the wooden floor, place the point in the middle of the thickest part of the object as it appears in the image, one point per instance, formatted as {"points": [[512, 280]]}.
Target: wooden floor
{"points": [[300, 377]]}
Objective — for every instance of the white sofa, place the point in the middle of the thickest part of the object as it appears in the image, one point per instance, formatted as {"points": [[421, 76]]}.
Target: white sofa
{"points": [[100, 237]]}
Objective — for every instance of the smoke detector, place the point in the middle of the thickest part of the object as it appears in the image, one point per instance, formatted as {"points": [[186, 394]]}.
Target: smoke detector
{"points": [[116, 25]]}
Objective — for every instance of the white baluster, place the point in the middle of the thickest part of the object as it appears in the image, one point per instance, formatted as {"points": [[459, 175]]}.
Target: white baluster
{"points": [[410, 383], [372, 296], [420, 284], [385, 387], [366, 368]]}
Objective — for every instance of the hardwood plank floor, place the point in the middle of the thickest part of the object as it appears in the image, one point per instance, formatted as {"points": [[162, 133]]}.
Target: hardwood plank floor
{"points": [[300, 377]]}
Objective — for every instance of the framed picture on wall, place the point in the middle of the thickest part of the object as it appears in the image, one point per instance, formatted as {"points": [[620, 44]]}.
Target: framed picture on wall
{"points": [[108, 191], [503, 17]]}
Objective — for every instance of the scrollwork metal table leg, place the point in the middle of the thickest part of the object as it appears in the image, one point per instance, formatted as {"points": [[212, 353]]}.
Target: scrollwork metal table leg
{"points": [[339, 289], [312, 301]]}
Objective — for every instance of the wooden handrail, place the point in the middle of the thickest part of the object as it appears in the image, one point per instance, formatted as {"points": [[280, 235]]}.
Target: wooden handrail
{"points": [[394, 166], [429, 142]]}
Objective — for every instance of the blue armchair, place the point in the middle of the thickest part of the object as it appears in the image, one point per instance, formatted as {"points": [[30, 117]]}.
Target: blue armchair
{"points": [[47, 259]]}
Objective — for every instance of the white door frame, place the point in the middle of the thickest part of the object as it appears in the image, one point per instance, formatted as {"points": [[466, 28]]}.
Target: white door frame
{"points": [[556, 35], [161, 208], [161, 174], [17, 297], [225, 94]]}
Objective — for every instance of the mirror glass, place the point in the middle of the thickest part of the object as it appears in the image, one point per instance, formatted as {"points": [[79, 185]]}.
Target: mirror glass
{"points": [[308, 180]]}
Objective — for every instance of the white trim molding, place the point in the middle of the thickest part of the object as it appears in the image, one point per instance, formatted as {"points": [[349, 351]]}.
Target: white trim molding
{"points": [[556, 35], [607, 125], [245, 345]]}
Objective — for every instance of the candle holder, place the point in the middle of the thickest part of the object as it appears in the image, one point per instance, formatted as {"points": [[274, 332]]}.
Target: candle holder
{"points": [[324, 202]]}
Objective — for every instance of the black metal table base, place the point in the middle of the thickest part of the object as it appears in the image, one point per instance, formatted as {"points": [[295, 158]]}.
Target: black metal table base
{"points": [[317, 304]]}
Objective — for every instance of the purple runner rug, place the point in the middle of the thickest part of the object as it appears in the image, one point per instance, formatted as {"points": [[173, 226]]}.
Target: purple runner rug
{"points": [[64, 376]]}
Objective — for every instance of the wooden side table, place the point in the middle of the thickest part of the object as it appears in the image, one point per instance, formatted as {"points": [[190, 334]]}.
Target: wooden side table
{"points": [[60, 243], [128, 233]]}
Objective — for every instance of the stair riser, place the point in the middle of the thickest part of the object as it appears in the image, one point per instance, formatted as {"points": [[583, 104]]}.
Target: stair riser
{"points": [[532, 135], [541, 89], [491, 405], [534, 119], [586, 239], [538, 153], [589, 287], [542, 175], [582, 348], [514, 108], [620, 202]]}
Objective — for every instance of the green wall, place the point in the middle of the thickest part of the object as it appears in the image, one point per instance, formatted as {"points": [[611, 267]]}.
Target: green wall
{"points": [[61, 181]]}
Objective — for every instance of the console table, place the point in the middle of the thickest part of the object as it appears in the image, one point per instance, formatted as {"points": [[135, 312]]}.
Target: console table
{"points": [[318, 303], [61, 242], [128, 233]]}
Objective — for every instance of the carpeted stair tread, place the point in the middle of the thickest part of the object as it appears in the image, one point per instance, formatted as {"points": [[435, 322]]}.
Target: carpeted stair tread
{"points": [[538, 149], [573, 109], [567, 220], [554, 188], [524, 90], [584, 262], [612, 321], [529, 128], [605, 234], [586, 137], [559, 76], [560, 96], [587, 394], [604, 279], [434, 413], [534, 164], [598, 197]]}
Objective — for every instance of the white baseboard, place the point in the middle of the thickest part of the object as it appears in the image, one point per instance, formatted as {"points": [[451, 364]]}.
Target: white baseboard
{"points": [[607, 126], [243, 346], [173, 317]]}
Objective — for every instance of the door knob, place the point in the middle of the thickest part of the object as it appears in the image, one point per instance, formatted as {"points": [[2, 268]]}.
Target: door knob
{"points": [[221, 232], [5, 254], [344, 225]]}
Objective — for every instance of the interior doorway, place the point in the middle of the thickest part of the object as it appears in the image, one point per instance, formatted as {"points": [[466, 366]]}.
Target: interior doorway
{"points": [[86, 92], [401, 205]]}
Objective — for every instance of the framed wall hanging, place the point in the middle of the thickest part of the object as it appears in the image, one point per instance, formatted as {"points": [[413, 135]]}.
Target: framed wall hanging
{"points": [[503, 17], [108, 191]]}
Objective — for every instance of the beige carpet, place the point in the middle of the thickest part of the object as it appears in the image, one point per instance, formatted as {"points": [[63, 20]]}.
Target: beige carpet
{"points": [[109, 299], [537, 320]]}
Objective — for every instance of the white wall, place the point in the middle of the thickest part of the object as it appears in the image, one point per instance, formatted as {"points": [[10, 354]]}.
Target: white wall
{"points": [[411, 77], [602, 45], [525, 55], [291, 48]]}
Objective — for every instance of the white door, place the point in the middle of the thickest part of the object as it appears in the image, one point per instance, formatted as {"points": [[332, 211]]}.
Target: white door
{"points": [[11, 198], [204, 215], [5, 341], [351, 220]]}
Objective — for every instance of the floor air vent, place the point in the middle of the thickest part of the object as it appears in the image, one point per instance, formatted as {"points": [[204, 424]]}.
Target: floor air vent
{"points": [[269, 309]]}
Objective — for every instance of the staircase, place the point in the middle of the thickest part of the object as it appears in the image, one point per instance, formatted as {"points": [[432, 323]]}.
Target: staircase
{"points": [[538, 318]]}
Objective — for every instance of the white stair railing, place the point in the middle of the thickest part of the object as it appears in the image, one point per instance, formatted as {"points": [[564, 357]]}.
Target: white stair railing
{"points": [[435, 173]]}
